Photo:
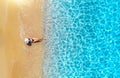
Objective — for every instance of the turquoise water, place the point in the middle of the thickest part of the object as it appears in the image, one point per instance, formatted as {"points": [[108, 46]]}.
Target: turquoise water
{"points": [[83, 39]]}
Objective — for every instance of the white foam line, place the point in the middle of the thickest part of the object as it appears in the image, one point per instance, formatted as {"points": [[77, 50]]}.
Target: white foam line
{"points": [[21, 27]]}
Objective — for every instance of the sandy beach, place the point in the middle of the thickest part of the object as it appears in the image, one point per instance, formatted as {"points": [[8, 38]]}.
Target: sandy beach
{"points": [[20, 21]]}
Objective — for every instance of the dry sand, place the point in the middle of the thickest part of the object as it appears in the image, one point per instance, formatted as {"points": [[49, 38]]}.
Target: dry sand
{"points": [[18, 60]]}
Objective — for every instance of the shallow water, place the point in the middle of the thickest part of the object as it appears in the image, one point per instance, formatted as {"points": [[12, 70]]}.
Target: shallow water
{"points": [[17, 22], [84, 38]]}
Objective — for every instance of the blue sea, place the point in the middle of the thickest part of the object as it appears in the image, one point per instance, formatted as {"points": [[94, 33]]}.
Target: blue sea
{"points": [[83, 39]]}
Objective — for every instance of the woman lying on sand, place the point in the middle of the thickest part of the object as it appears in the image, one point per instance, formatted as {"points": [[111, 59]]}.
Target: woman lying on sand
{"points": [[29, 41]]}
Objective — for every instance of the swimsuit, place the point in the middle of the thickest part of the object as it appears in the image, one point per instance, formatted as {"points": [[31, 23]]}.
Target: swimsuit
{"points": [[29, 41]]}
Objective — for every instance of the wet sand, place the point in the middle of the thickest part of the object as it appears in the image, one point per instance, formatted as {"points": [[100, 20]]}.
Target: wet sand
{"points": [[18, 59]]}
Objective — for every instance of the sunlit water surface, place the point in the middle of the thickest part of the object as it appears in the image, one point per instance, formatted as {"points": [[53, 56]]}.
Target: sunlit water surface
{"points": [[83, 39]]}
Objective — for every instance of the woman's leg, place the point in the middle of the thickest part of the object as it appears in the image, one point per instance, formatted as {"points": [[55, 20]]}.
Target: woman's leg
{"points": [[37, 39]]}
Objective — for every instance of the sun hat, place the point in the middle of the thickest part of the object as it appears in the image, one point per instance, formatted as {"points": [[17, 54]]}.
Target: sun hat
{"points": [[27, 40]]}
